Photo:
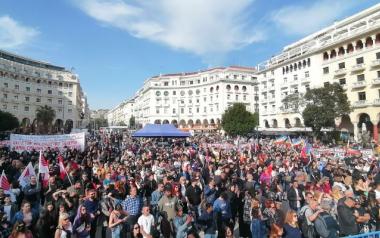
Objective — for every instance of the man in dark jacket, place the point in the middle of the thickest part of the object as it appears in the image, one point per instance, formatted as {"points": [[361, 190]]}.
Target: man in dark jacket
{"points": [[208, 221], [295, 196], [347, 218]]}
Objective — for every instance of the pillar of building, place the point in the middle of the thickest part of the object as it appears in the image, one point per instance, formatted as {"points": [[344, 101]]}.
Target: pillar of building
{"points": [[356, 130], [375, 131]]}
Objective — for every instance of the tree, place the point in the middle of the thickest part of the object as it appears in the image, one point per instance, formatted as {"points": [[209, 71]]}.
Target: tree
{"points": [[8, 121], [294, 102], [323, 105], [45, 116], [121, 123], [132, 122], [236, 120]]}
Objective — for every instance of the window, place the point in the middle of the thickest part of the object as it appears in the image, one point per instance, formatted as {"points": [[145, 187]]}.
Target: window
{"points": [[26, 108], [341, 65], [235, 76], [50, 100], [4, 106], [295, 77], [244, 97], [59, 101], [236, 97], [204, 99], [70, 94], [197, 109], [173, 110], [228, 96], [182, 110], [182, 93], [191, 82], [27, 89], [15, 107], [325, 70], [362, 96], [205, 109], [307, 87], [342, 81], [38, 99], [182, 83], [307, 74], [378, 74], [16, 97], [69, 110], [70, 85], [378, 55], [5, 85], [17, 87], [157, 111], [39, 90], [50, 92], [27, 99], [59, 109], [166, 83], [174, 92], [5, 95], [190, 110], [360, 60], [158, 93], [360, 77]]}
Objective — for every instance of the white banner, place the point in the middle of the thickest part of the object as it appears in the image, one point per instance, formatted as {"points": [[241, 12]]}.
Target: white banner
{"points": [[41, 143]]}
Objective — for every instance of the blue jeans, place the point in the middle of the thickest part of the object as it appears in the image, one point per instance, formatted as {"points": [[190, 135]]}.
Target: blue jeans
{"points": [[210, 236]]}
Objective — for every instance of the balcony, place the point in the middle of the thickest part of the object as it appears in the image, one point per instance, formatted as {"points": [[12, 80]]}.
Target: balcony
{"points": [[271, 99], [375, 63], [305, 80], [340, 72], [376, 81], [358, 67], [359, 84], [376, 102], [360, 103]]}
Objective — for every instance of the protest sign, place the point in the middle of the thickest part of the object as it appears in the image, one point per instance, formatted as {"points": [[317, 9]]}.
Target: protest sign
{"points": [[42, 142]]}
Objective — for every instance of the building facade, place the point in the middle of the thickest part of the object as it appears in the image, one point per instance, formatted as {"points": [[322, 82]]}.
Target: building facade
{"points": [[27, 84], [194, 100], [347, 52]]}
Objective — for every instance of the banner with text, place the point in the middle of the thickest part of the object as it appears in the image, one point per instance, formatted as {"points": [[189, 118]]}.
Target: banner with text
{"points": [[42, 142]]}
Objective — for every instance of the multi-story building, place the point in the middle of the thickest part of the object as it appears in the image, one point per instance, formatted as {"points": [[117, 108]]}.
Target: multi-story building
{"points": [[27, 84], [347, 52], [121, 114], [100, 113], [194, 100]]}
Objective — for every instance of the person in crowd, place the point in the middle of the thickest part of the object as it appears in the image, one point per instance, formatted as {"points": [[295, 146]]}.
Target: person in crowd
{"points": [[181, 222], [20, 230], [116, 221], [32, 193], [295, 196], [9, 208], [27, 215], [325, 224], [132, 207], [347, 217], [82, 223], [146, 222], [207, 220], [47, 222], [64, 228], [136, 231], [291, 229]]}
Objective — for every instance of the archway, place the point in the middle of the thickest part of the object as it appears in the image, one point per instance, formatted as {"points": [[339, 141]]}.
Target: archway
{"points": [[332, 54], [266, 124], [212, 122], [297, 122], [68, 126], [377, 39], [346, 126], [341, 51], [58, 125], [365, 123], [205, 123], [287, 123], [369, 42], [359, 45], [182, 123], [190, 123], [25, 122], [165, 122], [198, 123], [34, 126], [174, 122], [218, 121], [274, 123], [158, 121], [350, 48]]}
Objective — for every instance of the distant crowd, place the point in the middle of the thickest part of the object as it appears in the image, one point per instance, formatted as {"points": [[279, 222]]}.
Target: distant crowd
{"points": [[124, 187]]}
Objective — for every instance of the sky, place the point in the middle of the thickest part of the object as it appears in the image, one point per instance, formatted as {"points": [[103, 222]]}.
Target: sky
{"points": [[114, 45]]}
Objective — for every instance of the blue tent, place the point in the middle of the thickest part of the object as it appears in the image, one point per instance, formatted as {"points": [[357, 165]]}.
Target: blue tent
{"points": [[157, 130]]}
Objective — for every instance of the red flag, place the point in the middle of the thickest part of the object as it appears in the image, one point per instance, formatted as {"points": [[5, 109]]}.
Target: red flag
{"points": [[4, 184], [62, 170], [43, 166], [45, 180]]}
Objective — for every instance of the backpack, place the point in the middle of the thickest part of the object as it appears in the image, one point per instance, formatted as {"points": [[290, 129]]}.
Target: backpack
{"points": [[308, 231], [330, 226]]}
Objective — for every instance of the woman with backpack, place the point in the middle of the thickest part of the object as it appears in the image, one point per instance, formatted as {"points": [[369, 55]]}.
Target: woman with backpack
{"points": [[325, 224]]}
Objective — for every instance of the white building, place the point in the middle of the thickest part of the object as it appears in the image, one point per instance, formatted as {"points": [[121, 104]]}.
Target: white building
{"points": [[121, 114], [347, 52], [194, 100], [27, 84]]}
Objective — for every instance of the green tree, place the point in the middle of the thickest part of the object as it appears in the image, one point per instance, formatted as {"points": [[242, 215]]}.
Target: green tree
{"points": [[121, 123], [294, 102], [236, 120], [45, 116], [8, 121], [323, 105], [132, 122]]}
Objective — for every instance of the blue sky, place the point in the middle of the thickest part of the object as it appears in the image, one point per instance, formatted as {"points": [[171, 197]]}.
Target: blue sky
{"points": [[114, 45]]}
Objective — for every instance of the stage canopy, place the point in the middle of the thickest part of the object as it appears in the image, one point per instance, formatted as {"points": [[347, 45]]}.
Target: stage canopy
{"points": [[158, 130]]}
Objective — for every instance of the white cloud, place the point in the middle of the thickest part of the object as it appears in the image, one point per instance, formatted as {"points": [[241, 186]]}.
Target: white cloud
{"points": [[303, 20], [205, 28], [14, 35]]}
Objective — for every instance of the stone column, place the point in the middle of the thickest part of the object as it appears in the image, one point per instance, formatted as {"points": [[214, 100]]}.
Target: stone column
{"points": [[375, 131]]}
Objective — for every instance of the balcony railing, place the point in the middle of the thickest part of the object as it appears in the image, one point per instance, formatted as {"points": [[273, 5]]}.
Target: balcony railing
{"points": [[360, 103], [376, 102], [357, 67], [376, 81], [359, 84], [339, 72], [375, 63]]}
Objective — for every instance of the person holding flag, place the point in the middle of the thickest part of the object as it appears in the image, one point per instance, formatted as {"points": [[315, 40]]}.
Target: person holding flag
{"points": [[32, 192]]}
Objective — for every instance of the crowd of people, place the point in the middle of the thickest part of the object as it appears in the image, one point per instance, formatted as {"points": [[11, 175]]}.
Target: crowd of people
{"points": [[122, 187]]}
